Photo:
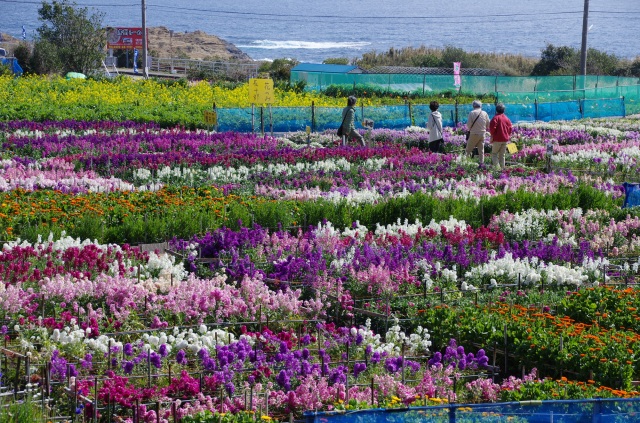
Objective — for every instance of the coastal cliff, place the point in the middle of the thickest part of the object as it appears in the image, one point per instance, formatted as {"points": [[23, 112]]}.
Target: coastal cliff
{"points": [[197, 45]]}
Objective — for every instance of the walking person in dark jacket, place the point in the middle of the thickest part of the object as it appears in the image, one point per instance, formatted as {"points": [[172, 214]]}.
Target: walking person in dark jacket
{"points": [[349, 119]]}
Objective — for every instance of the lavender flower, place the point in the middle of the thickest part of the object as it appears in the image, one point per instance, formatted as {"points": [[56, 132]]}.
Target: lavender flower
{"points": [[180, 357], [163, 350], [127, 367], [359, 368], [128, 349], [87, 362], [156, 360]]}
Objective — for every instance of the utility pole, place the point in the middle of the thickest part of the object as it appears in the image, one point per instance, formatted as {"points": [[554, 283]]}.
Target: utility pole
{"points": [[585, 30], [171, 48], [145, 68]]}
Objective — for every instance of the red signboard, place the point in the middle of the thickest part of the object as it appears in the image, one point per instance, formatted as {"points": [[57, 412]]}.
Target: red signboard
{"points": [[125, 38]]}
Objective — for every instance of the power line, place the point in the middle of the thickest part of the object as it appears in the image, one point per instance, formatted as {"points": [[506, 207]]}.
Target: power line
{"points": [[299, 17], [548, 16]]}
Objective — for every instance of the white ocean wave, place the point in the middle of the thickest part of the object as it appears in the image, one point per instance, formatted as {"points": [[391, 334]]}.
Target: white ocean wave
{"points": [[292, 44]]}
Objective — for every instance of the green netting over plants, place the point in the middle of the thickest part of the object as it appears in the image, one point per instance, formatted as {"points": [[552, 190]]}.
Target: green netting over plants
{"points": [[477, 84], [567, 411], [508, 84], [517, 88]]}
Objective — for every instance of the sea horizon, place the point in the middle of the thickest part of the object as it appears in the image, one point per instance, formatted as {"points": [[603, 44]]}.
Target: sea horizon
{"points": [[310, 32]]}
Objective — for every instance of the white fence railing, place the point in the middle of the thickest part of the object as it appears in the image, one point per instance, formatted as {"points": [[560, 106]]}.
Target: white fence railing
{"points": [[182, 66]]}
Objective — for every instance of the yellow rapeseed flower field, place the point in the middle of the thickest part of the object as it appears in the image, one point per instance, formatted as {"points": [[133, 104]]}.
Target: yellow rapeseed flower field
{"points": [[43, 91]]}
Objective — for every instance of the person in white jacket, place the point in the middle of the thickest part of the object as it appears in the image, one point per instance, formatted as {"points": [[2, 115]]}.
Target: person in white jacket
{"points": [[434, 125], [478, 126]]}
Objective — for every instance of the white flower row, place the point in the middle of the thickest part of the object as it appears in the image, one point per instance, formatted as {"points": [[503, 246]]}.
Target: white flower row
{"points": [[223, 174], [418, 342], [565, 126], [626, 158], [534, 271], [534, 224]]}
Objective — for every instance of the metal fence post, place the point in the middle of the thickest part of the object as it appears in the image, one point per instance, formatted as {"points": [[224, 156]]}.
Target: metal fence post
{"points": [[253, 119]]}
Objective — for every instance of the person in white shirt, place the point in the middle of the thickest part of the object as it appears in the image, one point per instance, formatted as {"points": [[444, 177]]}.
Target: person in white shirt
{"points": [[434, 125], [478, 126]]}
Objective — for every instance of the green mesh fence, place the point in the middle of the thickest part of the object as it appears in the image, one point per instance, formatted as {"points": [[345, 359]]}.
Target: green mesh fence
{"points": [[568, 411], [631, 95], [515, 88], [508, 84], [477, 84], [527, 99]]}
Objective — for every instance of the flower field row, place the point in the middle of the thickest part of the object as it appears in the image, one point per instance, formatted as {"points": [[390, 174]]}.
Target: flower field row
{"points": [[312, 276]]}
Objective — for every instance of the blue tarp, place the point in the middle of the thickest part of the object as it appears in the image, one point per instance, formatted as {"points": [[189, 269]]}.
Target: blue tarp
{"points": [[12, 62], [631, 195]]}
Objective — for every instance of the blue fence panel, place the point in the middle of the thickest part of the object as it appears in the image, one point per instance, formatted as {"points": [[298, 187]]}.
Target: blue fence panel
{"points": [[235, 119], [521, 112], [465, 109], [421, 113], [448, 112], [290, 119], [392, 117], [565, 110], [328, 118], [613, 107], [567, 411]]}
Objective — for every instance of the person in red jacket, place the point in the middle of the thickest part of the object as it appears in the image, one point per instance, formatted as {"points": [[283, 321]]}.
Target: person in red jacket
{"points": [[500, 129]]}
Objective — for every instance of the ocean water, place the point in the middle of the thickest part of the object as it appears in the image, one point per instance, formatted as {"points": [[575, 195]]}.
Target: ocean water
{"points": [[313, 31]]}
